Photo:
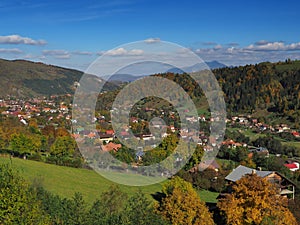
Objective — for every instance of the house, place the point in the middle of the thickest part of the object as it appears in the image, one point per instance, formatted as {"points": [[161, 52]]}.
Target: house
{"points": [[294, 166], [64, 108], [233, 144], [106, 137], [110, 132], [208, 148], [209, 164], [91, 135], [296, 134], [279, 129], [172, 128], [147, 137], [46, 109], [262, 151], [285, 187], [111, 146]]}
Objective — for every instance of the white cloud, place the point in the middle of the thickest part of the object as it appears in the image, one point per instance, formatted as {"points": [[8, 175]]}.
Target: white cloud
{"points": [[124, 52], [66, 56], [269, 46], [82, 53], [17, 39], [262, 42], [273, 46], [152, 40], [117, 52], [233, 44], [217, 47], [260, 51], [58, 54], [294, 46], [136, 52], [11, 50], [55, 52], [100, 53]]}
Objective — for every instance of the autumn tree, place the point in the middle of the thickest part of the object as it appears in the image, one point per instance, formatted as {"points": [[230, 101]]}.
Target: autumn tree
{"points": [[25, 144], [182, 205], [255, 201], [61, 132]]}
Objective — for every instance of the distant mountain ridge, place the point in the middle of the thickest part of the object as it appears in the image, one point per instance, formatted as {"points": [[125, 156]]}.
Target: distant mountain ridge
{"points": [[198, 67], [194, 68]]}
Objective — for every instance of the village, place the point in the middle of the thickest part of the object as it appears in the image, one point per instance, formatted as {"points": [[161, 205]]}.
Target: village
{"points": [[56, 110]]}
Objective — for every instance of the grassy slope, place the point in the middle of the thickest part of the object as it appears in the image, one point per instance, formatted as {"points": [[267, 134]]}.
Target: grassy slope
{"points": [[65, 181]]}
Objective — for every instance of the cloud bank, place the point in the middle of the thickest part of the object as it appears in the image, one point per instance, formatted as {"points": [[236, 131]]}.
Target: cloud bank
{"points": [[17, 39]]}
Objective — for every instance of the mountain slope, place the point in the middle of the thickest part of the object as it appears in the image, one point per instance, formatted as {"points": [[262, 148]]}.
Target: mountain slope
{"points": [[23, 78]]}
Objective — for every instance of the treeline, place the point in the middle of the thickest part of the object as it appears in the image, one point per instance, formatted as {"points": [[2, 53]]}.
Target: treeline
{"points": [[49, 144], [21, 203], [177, 203], [276, 147]]}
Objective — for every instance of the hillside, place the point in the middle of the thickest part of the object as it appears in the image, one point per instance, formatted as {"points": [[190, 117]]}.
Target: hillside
{"points": [[65, 181], [271, 87], [23, 78], [265, 86]]}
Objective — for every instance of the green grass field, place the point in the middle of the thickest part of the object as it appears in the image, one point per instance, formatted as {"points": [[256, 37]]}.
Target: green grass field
{"points": [[65, 181], [292, 143], [247, 132]]}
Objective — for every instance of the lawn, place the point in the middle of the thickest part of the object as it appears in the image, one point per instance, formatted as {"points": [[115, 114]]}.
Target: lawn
{"points": [[247, 132], [65, 181], [292, 143]]}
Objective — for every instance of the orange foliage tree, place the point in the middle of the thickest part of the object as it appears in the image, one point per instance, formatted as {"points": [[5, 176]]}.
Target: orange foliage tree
{"points": [[255, 201], [182, 205]]}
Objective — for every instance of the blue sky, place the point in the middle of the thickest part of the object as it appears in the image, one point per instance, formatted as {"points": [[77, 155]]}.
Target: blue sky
{"points": [[74, 33]]}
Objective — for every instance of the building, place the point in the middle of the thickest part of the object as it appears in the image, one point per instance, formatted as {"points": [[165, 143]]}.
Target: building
{"points": [[294, 166], [285, 186]]}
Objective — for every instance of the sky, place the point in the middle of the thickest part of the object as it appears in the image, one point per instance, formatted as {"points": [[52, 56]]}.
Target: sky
{"points": [[74, 33]]}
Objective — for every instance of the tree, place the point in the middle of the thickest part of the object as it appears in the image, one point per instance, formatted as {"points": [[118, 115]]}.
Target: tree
{"points": [[255, 201], [196, 158], [18, 203], [182, 205], [63, 146], [113, 200], [25, 144], [61, 132], [108, 209], [78, 209], [140, 211]]}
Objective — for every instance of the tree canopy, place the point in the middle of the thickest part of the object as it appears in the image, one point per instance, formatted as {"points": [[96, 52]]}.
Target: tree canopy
{"points": [[255, 201], [18, 203], [182, 205]]}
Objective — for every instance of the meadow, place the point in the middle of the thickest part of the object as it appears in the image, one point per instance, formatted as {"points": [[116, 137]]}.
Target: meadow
{"points": [[66, 181]]}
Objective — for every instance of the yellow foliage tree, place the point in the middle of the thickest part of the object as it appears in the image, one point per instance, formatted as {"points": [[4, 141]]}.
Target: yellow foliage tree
{"points": [[255, 201], [182, 205]]}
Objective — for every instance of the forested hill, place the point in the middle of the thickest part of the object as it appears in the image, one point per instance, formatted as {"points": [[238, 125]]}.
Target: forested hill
{"points": [[23, 78], [271, 86]]}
